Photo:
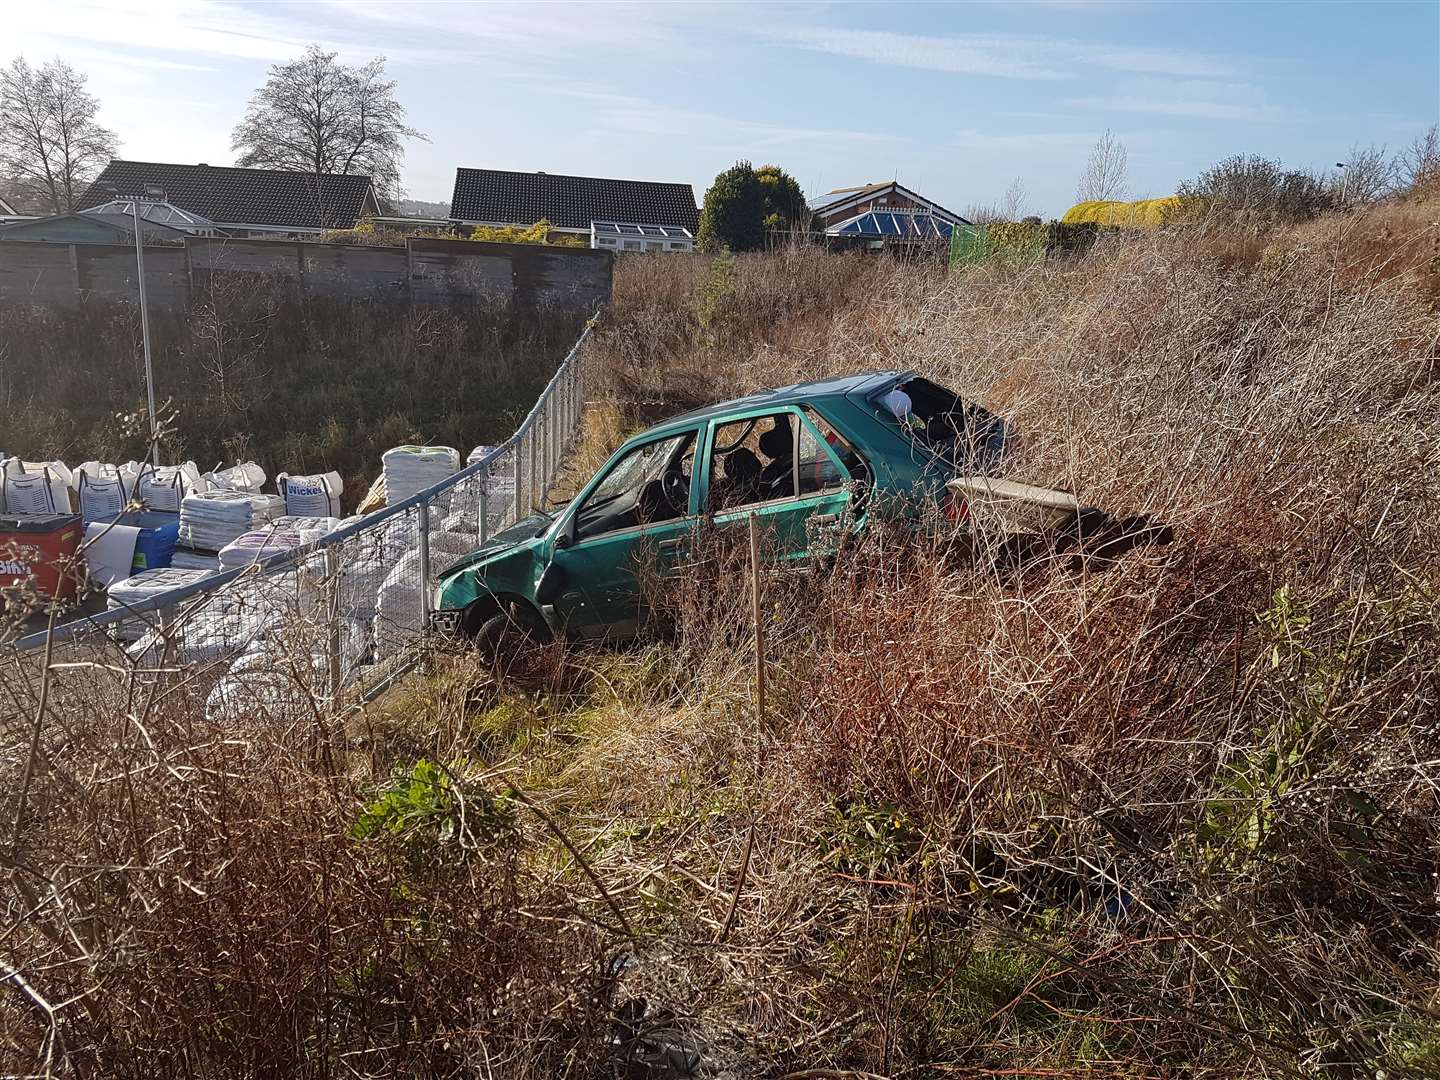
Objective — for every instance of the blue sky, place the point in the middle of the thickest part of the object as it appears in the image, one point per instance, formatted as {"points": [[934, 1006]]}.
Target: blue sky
{"points": [[953, 99]]}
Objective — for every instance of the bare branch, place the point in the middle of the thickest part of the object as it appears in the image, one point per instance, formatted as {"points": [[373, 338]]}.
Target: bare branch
{"points": [[1106, 171], [318, 115]]}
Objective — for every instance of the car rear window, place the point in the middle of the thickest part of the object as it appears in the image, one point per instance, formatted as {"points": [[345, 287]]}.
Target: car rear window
{"points": [[940, 419]]}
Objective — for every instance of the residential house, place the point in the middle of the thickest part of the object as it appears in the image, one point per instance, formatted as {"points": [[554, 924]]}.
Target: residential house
{"points": [[242, 202], [88, 229], [883, 212], [620, 215]]}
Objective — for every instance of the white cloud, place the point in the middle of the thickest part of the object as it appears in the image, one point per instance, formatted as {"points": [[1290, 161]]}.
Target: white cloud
{"points": [[969, 55], [639, 116], [1011, 56], [1200, 99]]}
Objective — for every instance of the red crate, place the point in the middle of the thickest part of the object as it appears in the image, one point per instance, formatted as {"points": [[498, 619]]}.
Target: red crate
{"points": [[39, 548]]}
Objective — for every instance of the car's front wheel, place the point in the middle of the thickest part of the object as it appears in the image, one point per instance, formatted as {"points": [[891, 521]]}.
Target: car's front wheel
{"points": [[506, 637]]}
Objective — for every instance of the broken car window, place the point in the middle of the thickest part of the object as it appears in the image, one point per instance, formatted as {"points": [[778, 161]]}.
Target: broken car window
{"points": [[648, 485], [753, 461]]}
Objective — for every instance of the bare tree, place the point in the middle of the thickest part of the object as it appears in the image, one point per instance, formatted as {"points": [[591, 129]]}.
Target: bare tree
{"points": [[318, 115], [1419, 163], [1015, 199], [1368, 175], [50, 143], [1105, 175], [1010, 208], [984, 213]]}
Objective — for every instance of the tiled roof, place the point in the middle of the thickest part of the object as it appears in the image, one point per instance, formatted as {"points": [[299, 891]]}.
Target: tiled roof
{"points": [[230, 196], [569, 202], [833, 201]]}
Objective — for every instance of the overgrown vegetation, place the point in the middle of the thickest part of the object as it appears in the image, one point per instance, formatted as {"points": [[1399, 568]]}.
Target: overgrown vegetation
{"points": [[1174, 816], [299, 385]]}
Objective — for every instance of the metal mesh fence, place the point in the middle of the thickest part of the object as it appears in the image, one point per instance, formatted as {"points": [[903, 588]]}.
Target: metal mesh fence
{"points": [[292, 635]]}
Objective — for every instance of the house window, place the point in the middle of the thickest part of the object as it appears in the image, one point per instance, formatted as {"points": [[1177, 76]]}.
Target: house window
{"points": [[606, 241], [632, 245]]}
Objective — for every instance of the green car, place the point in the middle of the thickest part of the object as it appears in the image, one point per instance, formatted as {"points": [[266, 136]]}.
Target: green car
{"points": [[806, 460]]}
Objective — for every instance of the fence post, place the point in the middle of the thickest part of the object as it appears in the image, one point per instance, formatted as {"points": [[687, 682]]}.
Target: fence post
{"points": [[530, 487], [332, 618], [423, 525], [483, 525], [519, 472], [545, 448]]}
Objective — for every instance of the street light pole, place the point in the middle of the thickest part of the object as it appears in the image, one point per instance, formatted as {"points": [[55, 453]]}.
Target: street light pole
{"points": [[145, 333], [1344, 182]]}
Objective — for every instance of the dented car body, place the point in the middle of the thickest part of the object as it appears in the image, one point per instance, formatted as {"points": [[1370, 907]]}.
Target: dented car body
{"points": [[807, 461]]}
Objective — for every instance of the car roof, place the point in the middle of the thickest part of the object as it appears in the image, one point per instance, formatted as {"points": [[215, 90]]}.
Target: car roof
{"points": [[795, 394]]}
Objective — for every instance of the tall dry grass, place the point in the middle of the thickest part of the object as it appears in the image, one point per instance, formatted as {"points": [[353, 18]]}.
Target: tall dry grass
{"points": [[1173, 814]]}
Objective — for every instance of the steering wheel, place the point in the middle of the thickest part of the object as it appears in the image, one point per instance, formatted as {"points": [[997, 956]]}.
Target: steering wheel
{"points": [[675, 490]]}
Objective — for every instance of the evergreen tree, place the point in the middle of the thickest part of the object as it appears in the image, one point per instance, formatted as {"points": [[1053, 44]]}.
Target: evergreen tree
{"points": [[733, 218]]}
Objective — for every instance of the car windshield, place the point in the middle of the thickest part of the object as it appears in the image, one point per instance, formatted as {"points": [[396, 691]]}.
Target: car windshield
{"points": [[635, 491]]}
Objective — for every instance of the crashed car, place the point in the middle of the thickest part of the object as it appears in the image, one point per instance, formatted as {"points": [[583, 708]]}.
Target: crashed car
{"points": [[806, 460]]}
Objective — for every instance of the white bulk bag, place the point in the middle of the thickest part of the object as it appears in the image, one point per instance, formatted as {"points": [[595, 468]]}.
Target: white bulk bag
{"points": [[246, 476], [36, 487], [397, 618], [164, 487], [315, 496], [103, 490]]}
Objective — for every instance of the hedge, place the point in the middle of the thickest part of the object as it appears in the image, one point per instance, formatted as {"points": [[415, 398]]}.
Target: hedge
{"points": [[1142, 214], [1019, 241]]}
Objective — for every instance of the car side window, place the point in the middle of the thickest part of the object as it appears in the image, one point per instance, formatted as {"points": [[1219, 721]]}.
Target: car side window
{"points": [[817, 469], [842, 447], [752, 461], [649, 485]]}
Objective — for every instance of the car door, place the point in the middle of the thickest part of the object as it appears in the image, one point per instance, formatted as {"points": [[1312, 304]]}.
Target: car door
{"points": [[603, 559], [802, 509]]}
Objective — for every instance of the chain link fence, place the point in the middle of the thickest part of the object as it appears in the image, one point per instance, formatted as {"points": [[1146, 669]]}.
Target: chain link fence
{"points": [[305, 628]]}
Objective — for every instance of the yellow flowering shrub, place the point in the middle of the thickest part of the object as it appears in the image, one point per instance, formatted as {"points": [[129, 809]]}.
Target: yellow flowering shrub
{"points": [[539, 233], [1141, 214]]}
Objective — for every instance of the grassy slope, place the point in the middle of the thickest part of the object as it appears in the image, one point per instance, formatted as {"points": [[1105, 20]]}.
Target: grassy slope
{"points": [[1174, 818]]}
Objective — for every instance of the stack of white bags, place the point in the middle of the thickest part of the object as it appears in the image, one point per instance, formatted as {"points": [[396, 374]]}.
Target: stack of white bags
{"points": [[209, 520], [259, 545], [142, 586], [409, 469]]}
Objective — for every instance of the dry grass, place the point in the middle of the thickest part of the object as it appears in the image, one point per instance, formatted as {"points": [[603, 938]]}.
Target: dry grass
{"points": [[1175, 816]]}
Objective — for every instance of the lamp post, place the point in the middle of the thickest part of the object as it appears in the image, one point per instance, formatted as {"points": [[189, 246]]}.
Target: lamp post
{"points": [[1344, 182], [152, 195]]}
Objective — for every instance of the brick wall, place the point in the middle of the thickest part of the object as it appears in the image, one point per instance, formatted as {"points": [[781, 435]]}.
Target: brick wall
{"points": [[426, 271]]}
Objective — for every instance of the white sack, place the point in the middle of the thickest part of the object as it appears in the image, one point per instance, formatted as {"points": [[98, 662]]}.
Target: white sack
{"points": [[36, 487], [164, 488], [316, 495], [103, 490], [246, 476]]}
